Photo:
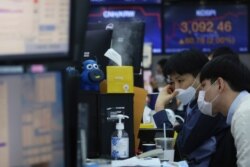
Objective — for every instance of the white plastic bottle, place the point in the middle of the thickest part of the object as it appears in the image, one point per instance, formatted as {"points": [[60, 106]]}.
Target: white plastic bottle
{"points": [[120, 140]]}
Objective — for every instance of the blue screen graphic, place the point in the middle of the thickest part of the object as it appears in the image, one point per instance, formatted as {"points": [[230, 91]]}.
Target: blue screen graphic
{"points": [[119, 2], [151, 15], [206, 28]]}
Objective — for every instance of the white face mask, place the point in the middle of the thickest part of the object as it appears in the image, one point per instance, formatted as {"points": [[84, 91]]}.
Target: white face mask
{"points": [[186, 95], [204, 106]]}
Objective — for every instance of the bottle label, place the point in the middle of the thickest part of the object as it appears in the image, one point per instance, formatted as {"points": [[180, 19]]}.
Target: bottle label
{"points": [[119, 147]]}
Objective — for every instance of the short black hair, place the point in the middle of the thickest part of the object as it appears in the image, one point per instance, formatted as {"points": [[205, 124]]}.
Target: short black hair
{"points": [[186, 62], [234, 72], [223, 51]]}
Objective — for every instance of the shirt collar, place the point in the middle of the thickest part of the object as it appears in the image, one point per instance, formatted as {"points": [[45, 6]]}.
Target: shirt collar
{"points": [[191, 106], [235, 105]]}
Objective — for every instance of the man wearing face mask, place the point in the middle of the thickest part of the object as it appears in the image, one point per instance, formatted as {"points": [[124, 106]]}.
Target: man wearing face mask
{"points": [[227, 92], [196, 141]]}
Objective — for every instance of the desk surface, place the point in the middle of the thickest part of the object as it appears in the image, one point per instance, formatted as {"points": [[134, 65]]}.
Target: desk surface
{"points": [[107, 163]]}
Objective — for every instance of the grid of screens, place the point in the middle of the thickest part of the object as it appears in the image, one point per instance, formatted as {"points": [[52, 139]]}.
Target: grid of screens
{"points": [[31, 121], [34, 28], [206, 27], [106, 2], [151, 15], [203, 27]]}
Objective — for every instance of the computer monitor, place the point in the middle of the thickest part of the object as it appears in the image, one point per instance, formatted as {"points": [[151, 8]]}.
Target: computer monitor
{"points": [[97, 42], [32, 120], [35, 31], [127, 40]]}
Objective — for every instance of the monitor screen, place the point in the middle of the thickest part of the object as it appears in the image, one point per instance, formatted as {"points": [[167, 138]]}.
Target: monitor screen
{"points": [[119, 2], [206, 27], [127, 40], [31, 121], [97, 42], [38, 29], [151, 15]]}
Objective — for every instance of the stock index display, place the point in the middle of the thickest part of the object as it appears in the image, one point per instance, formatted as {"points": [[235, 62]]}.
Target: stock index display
{"points": [[206, 28]]}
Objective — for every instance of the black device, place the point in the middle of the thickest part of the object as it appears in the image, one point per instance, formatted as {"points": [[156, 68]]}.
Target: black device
{"points": [[36, 32], [32, 120], [127, 40], [97, 42]]}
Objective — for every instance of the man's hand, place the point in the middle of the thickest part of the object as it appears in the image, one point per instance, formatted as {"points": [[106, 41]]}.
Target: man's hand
{"points": [[164, 97]]}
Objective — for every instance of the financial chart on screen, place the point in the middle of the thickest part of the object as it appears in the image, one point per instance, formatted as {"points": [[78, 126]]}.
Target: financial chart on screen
{"points": [[31, 122], [206, 27], [34, 26]]}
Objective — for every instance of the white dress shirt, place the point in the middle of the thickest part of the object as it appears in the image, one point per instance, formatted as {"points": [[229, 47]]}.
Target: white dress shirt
{"points": [[239, 118]]}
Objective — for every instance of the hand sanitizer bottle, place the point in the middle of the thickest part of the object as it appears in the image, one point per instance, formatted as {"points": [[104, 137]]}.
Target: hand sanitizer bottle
{"points": [[120, 140]]}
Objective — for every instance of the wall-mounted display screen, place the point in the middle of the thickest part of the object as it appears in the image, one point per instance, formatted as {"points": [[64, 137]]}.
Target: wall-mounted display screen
{"points": [[151, 15], [206, 27], [108, 2]]}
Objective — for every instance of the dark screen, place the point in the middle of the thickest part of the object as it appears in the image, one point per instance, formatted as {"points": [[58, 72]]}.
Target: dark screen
{"points": [[127, 40], [97, 42]]}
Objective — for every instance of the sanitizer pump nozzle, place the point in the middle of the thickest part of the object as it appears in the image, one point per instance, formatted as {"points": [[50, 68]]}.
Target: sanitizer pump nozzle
{"points": [[120, 140], [120, 124]]}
